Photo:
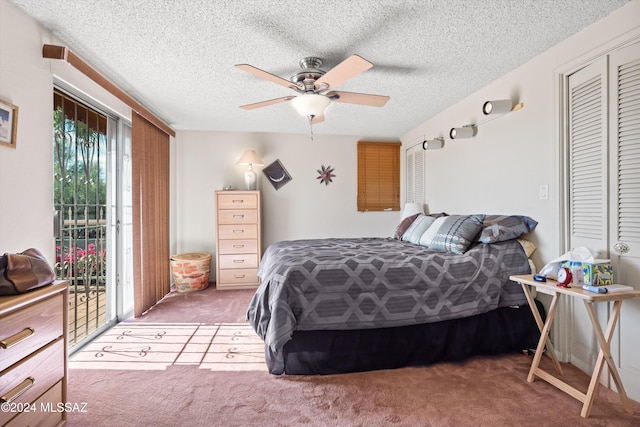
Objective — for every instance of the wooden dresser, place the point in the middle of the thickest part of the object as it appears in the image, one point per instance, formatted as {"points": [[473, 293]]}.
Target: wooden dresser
{"points": [[33, 356], [239, 237]]}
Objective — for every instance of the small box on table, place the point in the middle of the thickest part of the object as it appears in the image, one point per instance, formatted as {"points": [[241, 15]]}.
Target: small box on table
{"points": [[597, 273]]}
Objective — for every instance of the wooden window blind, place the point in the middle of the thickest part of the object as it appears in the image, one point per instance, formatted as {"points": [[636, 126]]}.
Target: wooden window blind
{"points": [[150, 182], [378, 176]]}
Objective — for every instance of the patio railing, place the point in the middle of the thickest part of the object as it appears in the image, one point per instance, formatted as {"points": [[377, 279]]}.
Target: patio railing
{"points": [[81, 260]]}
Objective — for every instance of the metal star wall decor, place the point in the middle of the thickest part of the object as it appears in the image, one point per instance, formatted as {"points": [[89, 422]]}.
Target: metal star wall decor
{"points": [[326, 175]]}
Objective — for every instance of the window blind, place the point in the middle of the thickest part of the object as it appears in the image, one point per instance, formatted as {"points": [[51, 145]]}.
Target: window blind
{"points": [[150, 188], [378, 176]]}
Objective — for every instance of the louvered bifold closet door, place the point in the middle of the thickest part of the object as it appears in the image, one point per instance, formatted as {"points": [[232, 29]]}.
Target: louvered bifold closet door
{"points": [[624, 104], [626, 155], [415, 159], [588, 186], [587, 191]]}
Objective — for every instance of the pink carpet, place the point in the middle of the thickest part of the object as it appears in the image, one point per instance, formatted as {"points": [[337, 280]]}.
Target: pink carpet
{"points": [[193, 361]]}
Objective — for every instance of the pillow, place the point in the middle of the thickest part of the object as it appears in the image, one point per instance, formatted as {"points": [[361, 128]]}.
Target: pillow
{"points": [[529, 248], [456, 233], [404, 225], [427, 236], [418, 227], [498, 228], [438, 215]]}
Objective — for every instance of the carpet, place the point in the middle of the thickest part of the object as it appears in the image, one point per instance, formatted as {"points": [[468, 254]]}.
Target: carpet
{"points": [[192, 360], [156, 346]]}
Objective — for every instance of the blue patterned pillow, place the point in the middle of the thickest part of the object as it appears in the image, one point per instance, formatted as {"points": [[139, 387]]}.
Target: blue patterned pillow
{"points": [[418, 227], [498, 228], [456, 233], [427, 236]]}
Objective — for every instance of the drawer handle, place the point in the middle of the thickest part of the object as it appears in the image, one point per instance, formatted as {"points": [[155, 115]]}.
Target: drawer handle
{"points": [[18, 390], [238, 246], [238, 276], [238, 201], [238, 261], [17, 338], [238, 231], [239, 216]]}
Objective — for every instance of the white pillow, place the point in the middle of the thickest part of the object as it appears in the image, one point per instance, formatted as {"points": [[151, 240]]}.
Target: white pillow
{"points": [[416, 229], [430, 233]]}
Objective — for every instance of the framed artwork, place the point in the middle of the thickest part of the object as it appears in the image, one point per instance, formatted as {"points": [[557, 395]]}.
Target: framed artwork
{"points": [[277, 174], [8, 124]]}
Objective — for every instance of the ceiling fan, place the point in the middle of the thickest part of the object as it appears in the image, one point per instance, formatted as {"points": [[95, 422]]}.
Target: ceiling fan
{"points": [[315, 86]]}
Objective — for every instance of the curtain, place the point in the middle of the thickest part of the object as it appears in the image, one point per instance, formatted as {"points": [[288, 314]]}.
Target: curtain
{"points": [[150, 188]]}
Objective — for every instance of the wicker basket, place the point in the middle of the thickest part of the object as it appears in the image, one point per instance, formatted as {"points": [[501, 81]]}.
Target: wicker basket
{"points": [[191, 271]]}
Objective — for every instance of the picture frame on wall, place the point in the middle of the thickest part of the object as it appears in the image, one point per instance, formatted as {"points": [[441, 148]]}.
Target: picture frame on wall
{"points": [[277, 174], [8, 124]]}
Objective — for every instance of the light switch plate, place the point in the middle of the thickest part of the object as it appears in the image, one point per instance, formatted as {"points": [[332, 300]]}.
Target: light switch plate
{"points": [[543, 192]]}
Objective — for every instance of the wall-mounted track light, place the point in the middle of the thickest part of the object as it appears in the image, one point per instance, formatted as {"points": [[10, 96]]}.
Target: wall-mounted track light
{"points": [[500, 106], [433, 144], [466, 131]]}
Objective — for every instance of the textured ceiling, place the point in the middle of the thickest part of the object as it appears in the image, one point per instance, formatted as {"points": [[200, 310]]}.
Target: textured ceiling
{"points": [[177, 57]]}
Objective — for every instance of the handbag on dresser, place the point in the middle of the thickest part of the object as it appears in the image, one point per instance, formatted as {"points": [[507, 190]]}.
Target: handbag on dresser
{"points": [[23, 272]]}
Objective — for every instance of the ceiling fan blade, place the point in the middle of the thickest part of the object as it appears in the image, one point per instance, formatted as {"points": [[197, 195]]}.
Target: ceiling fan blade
{"points": [[317, 119], [265, 103], [347, 69], [268, 76], [358, 98]]}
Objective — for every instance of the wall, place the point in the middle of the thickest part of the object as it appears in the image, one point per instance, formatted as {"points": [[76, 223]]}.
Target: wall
{"points": [[26, 173], [501, 169], [303, 208], [498, 171], [26, 218]]}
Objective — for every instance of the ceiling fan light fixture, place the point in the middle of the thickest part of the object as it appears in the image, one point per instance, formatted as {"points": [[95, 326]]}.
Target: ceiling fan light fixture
{"points": [[310, 104]]}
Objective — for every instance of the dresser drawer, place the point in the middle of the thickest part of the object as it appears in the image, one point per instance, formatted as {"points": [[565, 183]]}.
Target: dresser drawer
{"points": [[237, 247], [30, 328], [238, 261], [238, 216], [238, 276], [237, 201], [239, 231], [35, 375], [44, 413]]}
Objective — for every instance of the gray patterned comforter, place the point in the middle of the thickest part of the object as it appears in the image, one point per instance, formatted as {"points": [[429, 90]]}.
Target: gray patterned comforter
{"points": [[337, 284]]}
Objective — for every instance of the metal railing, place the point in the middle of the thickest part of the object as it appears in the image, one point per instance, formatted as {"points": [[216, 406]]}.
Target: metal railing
{"points": [[81, 258]]}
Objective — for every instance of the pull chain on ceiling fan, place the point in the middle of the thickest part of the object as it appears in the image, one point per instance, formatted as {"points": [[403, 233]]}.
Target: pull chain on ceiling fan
{"points": [[315, 87]]}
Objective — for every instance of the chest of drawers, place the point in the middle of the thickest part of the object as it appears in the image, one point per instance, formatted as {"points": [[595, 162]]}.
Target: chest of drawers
{"points": [[33, 356], [238, 245]]}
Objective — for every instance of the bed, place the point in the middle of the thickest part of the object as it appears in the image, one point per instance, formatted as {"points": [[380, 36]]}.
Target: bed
{"points": [[327, 306]]}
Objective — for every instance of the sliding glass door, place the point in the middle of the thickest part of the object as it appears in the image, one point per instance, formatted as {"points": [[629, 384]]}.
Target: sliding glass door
{"points": [[88, 207]]}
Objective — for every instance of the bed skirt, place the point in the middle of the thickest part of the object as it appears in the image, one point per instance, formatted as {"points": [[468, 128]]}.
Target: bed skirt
{"points": [[504, 330]]}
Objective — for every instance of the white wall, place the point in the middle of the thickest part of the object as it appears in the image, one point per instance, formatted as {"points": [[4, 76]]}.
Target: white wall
{"points": [[26, 188], [26, 173], [501, 169], [498, 171], [303, 208]]}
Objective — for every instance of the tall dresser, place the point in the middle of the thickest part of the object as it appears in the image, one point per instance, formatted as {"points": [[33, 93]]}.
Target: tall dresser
{"points": [[33, 356], [239, 239]]}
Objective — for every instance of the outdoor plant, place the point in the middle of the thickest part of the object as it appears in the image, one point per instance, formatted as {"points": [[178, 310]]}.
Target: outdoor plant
{"points": [[80, 262]]}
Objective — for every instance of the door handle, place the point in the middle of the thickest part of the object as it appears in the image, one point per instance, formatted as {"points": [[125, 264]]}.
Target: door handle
{"points": [[621, 248]]}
